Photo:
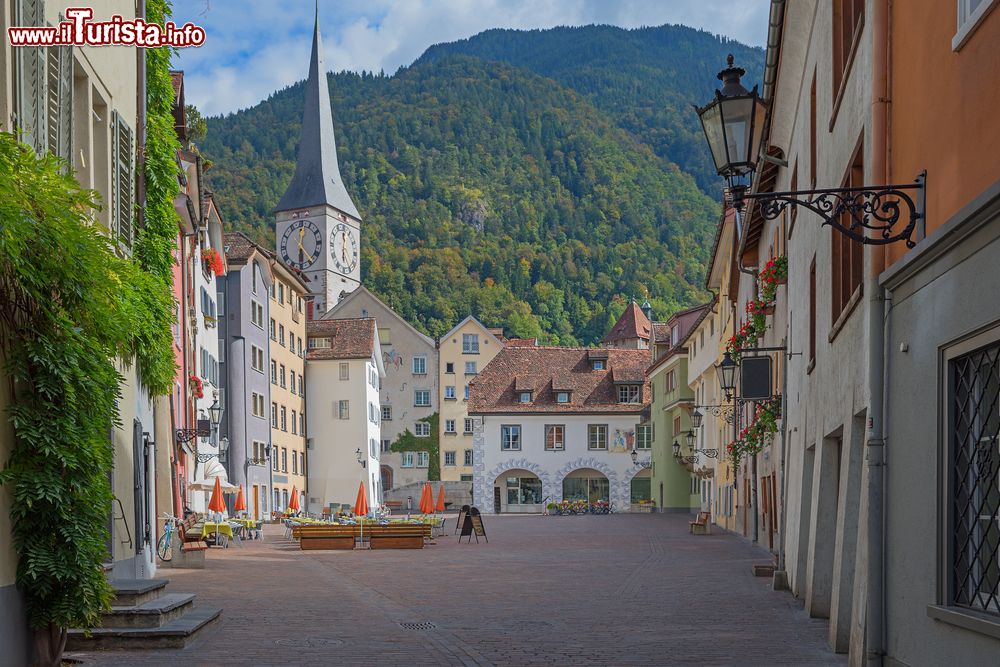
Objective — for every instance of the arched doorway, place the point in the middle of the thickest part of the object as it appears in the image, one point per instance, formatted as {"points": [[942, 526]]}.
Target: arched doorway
{"points": [[386, 475], [586, 484], [519, 490], [640, 488]]}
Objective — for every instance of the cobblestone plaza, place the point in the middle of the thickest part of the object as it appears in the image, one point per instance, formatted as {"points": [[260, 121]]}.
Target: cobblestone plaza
{"points": [[578, 590]]}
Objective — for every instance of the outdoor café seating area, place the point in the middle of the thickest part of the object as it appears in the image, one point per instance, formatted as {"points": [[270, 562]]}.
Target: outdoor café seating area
{"points": [[365, 529]]}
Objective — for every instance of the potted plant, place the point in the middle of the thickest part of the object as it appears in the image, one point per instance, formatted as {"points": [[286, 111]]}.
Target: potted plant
{"points": [[213, 261]]}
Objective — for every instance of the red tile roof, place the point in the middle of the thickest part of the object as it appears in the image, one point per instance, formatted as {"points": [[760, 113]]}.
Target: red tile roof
{"points": [[515, 369], [632, 324], [238, 246], [352, 338], [521, 342]]}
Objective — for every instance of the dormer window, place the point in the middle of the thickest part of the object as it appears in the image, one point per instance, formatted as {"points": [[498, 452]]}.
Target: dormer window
{"points": [[597, 364], [629, 393], [562, 397], [524, 397]]}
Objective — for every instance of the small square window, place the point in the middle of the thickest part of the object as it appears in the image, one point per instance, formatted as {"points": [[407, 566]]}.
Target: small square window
{"points": [[386, 413], [449, 425], [422, 429], [420, 365], [422, 398], [449, 458], [598, 364], [449, 393], [469, 424], [449, 367], [470, 368], [525, 397], [562, 397]]}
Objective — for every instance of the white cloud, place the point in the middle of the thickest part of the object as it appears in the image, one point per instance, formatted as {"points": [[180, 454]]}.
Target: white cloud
{"points": [[255, 47]]}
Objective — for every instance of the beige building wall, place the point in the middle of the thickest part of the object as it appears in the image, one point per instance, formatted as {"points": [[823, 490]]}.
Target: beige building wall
{"points": [[287, 373], [400, 344], [452, 379]]}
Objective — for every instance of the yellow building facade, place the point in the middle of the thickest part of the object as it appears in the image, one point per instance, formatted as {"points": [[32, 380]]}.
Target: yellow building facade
{"points": [[464, 351], [288, 386]]}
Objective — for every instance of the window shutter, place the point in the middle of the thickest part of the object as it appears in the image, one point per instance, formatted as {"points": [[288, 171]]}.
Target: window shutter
{"points": [[30, 89], [123, 164], [59, 101]]}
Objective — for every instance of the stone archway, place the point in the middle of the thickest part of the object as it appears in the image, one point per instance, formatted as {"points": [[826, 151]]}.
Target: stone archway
{"points": [[484, 494], [614, 488], [631, 474]]}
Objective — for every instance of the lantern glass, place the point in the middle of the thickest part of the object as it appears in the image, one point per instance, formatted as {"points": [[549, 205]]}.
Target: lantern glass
{"points": [[696, 418], [691, 437], [727, 374], [677, 449], [215, 413], [635, 457]]}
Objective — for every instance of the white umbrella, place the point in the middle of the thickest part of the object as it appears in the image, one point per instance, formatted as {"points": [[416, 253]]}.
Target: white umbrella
{"points": [[209, 484]]}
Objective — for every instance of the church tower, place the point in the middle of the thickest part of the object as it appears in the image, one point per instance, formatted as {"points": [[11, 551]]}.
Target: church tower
{"points": [[318, 228]]}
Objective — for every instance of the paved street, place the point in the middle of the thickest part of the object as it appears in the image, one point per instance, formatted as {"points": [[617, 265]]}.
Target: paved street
{"points": [[593, 590]]}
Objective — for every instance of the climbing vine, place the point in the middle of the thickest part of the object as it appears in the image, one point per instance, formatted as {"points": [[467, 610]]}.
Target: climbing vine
{"points": [[407, 442], [70, 310]]}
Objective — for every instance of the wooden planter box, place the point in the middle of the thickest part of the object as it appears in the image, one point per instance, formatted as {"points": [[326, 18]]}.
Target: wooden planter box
{"points": [[643, 509]]}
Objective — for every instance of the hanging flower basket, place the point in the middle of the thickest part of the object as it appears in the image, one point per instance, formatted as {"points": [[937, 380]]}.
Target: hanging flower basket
{"points": [[769, 309], [213, 260], [197, 387]]}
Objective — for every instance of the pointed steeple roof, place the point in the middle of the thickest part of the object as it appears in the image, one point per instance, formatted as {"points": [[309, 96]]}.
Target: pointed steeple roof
{"points": [[317, 173], [631, 325]]}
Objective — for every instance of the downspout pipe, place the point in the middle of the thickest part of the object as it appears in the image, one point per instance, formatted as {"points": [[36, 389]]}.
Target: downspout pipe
{"points": [[877, 317]]}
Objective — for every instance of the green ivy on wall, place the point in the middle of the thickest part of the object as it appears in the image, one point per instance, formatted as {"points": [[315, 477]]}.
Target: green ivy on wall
{"points": [[407, 442]]}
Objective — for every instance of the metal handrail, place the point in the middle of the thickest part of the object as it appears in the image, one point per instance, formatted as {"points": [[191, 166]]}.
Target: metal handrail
{"points": [[124, 520]]}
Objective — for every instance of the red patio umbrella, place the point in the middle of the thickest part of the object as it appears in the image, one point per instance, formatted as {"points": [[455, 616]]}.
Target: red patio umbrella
{"points": [[241, 503], [216, 504], [361, 504], [427, 499], [293, 501], [440, 504], [361, 509]]}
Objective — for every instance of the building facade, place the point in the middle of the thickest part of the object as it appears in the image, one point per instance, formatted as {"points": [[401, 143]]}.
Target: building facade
{"points": [[287, 332], [675, 485], [941, 352], [409, 391], [344, 368], [244, 311], [209, 270], [470, 342], [318, 228], [557, 423]]}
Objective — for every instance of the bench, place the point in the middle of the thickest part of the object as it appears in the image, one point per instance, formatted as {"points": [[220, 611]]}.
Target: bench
{"points": [[325, 537], [190, 542], [701, 525], [398, 536]]}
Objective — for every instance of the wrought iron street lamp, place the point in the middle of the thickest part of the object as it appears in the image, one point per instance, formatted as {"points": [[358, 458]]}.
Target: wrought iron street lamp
{"points": [[677, 450], [361, 458], [696, 418], [733, 123], [263, 461], [215, 414], [691, 437], [635, 460], [726, 370], [221, 455]]}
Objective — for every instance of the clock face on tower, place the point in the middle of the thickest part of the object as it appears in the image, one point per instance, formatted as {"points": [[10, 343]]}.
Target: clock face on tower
{"points": [[301, 244], [344, 248]]}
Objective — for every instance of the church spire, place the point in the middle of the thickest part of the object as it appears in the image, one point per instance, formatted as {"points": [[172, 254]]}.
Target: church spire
{"points": [[317, 177]]}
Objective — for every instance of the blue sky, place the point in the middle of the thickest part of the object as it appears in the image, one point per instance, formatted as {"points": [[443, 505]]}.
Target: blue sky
{"points": [[255, 47]]}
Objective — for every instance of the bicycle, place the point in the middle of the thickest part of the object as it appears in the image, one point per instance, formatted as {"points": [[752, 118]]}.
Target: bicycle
{"points": [[165, 545]]}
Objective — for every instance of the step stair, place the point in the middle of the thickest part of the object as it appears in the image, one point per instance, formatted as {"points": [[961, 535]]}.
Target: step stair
{"points": [[144, 616]]}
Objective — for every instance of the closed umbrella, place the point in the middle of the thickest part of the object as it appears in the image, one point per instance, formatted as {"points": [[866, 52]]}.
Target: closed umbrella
{"points": [[361, 509], [241, 503], [426, 499], [216, 504], [293, 501], [440, 504]]}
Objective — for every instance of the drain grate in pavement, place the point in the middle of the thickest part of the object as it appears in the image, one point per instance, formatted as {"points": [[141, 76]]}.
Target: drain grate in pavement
{"points": [[417, 626]]}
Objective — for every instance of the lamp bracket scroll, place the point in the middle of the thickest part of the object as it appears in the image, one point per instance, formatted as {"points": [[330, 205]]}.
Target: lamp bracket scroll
{"points": [[874, 215], [719, 411]]}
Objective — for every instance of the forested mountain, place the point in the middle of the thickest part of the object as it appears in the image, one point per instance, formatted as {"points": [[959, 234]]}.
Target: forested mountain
{"points": [[646, 79], [486, 188]]}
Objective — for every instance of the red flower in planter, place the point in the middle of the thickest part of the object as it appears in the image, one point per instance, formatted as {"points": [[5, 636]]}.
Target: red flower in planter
{"points": [[213, 259]]}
